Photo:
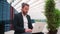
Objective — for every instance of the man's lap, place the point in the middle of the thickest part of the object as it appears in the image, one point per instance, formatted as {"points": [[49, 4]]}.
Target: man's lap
{"points": [[22, 33], [26, 33]]}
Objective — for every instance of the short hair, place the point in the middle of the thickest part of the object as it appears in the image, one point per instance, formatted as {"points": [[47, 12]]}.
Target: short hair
{"points": [[24, 4]]}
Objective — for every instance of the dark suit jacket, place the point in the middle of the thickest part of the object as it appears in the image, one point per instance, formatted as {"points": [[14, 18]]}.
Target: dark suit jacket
{"points": [[19, 23]]}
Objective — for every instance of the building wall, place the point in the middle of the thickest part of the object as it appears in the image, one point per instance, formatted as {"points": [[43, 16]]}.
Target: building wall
{"points": [[5, 14]]}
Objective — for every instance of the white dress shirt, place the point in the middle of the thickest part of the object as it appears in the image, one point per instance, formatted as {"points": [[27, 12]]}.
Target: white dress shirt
{"points": [[25, 21]]}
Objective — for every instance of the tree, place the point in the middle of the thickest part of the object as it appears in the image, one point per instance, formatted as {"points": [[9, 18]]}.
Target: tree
{"points": [[53, 16]]}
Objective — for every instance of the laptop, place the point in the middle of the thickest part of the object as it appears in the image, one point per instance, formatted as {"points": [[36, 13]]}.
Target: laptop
{"points": [[38, 27]]}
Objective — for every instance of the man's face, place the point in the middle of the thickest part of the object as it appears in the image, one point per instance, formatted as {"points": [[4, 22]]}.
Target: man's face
{"points": [[25, 9]]}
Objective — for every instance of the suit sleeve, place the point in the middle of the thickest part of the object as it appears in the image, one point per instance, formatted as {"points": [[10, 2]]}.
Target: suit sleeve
{"points": [[31, 27], [16, 26]]}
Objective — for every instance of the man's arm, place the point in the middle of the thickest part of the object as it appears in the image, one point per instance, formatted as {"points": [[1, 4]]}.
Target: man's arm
{"points": [[31, 27], [30, 24], [16, 26]]}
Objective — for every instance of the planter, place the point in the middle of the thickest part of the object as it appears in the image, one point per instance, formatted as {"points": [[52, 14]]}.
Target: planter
{"points": [[52, 32]]}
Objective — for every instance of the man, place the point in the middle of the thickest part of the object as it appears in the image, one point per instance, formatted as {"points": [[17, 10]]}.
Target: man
{"points": [[22, 21]]}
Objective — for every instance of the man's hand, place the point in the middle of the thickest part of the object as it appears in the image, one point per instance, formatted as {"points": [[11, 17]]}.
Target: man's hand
{"points": [[28, 30]]}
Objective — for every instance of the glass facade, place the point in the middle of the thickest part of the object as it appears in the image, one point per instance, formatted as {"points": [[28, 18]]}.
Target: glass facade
{"points": [[5, 13]]}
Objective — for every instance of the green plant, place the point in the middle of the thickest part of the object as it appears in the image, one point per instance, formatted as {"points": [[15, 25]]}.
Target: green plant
{"points": [[57, 18], [53, 16], [49, 12]]}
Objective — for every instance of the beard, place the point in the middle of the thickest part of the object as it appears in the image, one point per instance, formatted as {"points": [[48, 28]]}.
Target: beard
{"points": [[25, 13]]}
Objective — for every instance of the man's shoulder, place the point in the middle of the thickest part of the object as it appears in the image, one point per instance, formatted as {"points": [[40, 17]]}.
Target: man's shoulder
{"points": [[28, 15], [18, 14]]}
